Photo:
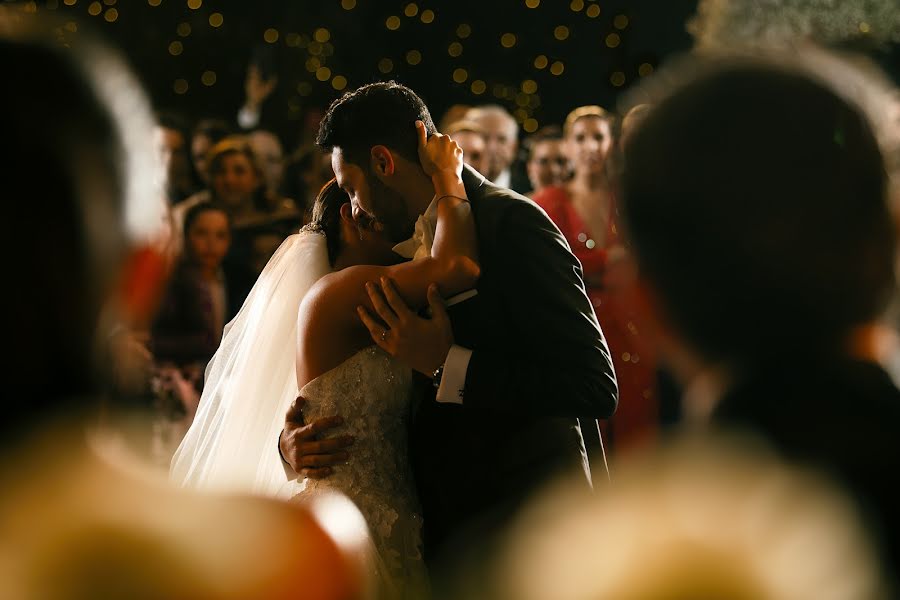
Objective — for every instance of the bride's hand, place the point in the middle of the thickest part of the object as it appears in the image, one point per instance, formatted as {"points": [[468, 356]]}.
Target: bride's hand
{"points": [[440, 156]]}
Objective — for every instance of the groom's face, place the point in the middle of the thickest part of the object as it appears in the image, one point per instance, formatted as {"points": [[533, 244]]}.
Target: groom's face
{"points": [[371, 199]]}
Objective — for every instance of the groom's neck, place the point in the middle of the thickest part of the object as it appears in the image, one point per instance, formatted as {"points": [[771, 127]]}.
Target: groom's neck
{"points": [[418, 191]]}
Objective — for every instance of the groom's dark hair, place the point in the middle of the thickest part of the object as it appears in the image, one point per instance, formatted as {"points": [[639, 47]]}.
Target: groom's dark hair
{"points": [[381, 113]]}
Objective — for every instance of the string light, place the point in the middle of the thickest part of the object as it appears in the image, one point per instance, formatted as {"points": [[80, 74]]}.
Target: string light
{"points": [[593, 11], [557, 68], [532, 3], [645, 69], [612, 40], [348, 4], [194, 4], [339, 82], [427, 16], [154, 2], [529, 86], [111, 15], [455, 49], [413, 57], [175, 48], [180, 86], [392, 23], [293, 40], [561, 32], [577, 5], [463, 31], [411, 10], [322, 35], [93, 10], [460, 75], [70, 2], [183, 29], [530, 125], [617, 79], [541, 62], [478, 87], [271, 35], [508, 40], [208, 78], [620, 22], [385, 65], [323, 73]]}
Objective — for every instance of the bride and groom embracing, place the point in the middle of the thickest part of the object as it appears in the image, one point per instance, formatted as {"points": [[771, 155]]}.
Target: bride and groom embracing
{"points": [[508, 369]]}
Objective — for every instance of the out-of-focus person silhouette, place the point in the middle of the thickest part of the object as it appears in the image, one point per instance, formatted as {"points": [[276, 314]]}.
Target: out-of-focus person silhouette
{"points": [[501, 138], [238, 184], [756, 201], [206, 134], [456, 112], [546, 164], [470, 138], [307, 172], [702, 519], [172, 143], [270, 154], [585, 209], [79, 519]]}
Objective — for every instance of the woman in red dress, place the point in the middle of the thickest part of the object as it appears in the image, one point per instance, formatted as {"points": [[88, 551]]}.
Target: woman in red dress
{"points": [[585, 211]]}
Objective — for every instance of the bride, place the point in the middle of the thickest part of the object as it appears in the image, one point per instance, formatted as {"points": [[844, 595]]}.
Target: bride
{"points": [[253, 377]]}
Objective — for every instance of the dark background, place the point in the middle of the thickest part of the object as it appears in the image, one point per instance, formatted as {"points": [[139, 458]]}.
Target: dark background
{"points": [[172, 44], [359, 38]]}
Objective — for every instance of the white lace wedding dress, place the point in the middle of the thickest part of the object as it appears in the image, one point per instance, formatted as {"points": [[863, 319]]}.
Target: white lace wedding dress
{"points": [[250, 383], [372, 392]]}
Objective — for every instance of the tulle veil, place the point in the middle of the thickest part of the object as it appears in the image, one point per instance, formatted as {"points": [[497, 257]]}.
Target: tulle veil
{"points": [[251, 380]]}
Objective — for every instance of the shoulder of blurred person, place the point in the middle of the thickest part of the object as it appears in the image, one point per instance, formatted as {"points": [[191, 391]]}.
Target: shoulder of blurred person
{"points": [[80, 518], [700, 517], [104, 527]]}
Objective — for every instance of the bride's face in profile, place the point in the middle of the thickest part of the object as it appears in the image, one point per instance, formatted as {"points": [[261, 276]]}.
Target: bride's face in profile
{"points": [[364, 241]]}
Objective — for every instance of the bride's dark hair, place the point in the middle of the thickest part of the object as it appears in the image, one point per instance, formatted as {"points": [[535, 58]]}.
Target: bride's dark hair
{"points": [[326, 217]]}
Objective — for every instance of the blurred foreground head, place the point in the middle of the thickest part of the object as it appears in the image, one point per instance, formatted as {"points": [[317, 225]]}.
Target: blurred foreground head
{"points": [[83, 192], [703, 519], [757, 202]]}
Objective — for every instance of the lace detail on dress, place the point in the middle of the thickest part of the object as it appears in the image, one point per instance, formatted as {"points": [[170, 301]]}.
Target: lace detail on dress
{"points": [[372, 392]]}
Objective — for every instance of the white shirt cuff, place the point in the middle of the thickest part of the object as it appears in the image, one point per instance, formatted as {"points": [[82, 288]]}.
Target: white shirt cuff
{"points": [[453, 381], [247, 118]]}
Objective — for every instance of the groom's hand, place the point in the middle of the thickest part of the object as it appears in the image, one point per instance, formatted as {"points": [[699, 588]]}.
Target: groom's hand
{"points": [[421, 343], [303, 448]]}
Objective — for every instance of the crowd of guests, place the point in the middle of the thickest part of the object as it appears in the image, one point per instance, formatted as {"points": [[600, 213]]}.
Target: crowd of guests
{"points": [[745, 251]]}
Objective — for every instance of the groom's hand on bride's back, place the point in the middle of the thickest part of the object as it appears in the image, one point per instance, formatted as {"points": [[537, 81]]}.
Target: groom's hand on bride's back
{"points": [[305, 450]]}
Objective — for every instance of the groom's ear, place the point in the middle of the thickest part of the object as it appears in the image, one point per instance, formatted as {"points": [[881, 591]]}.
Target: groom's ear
{"points": [[382, 161]]}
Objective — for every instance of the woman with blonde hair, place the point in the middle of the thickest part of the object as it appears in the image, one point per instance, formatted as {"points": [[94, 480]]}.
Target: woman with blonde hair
{"points": [[584, 208]]}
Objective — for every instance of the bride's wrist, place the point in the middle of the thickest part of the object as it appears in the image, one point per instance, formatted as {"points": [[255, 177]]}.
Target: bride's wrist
{"points": [[448, 182]]}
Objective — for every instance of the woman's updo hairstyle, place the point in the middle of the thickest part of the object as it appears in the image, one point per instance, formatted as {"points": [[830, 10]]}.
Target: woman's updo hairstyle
{"points": [[326, 217]]}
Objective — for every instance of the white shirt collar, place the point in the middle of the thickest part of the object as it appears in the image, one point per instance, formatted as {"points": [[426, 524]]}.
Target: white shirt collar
{"points": [[419, 245], [503, 179]]}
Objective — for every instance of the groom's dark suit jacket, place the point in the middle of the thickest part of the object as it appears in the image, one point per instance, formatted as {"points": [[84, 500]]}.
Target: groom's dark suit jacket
{"points": [[539, 362]]}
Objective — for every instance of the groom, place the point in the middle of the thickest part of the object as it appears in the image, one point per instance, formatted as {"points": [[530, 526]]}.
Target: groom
{"points": [[524, 359]]}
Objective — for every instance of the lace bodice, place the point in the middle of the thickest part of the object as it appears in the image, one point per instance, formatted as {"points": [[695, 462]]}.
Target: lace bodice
{"points": [[372, 392]]}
